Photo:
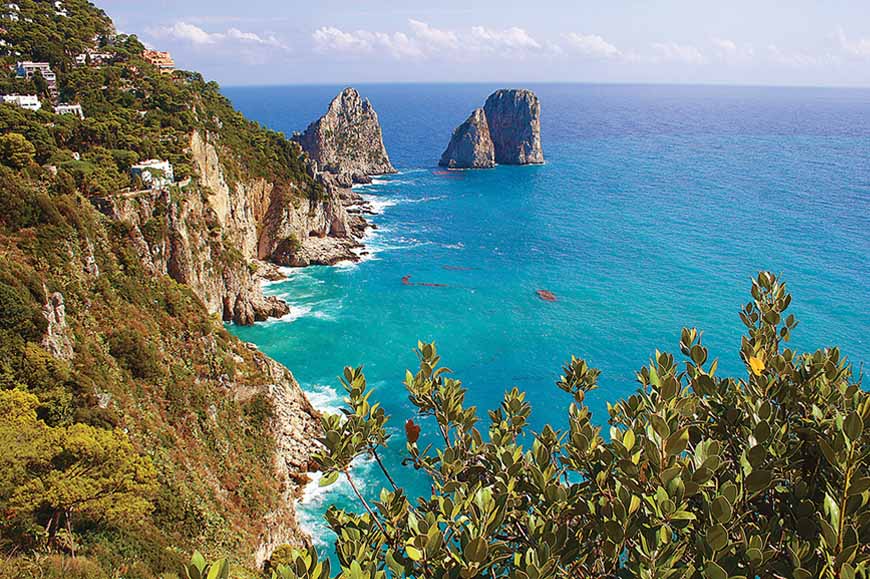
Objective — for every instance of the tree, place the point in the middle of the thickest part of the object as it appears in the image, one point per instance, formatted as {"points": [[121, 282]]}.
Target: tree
{"points": [[53, 474], [16, 151], [766, 475]]}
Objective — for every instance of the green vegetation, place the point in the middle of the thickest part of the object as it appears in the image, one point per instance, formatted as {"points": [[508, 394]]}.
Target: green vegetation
{"points": [[155, 436], [701, 477], [133, 111]]}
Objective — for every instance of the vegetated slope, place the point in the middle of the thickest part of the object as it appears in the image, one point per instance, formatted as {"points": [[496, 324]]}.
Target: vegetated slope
{"points": [[94, 320]]}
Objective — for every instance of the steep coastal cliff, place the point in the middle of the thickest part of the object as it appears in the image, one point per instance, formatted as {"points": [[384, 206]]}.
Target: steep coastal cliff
{"points": [[113, 296], [347, 140], [471, 145], [506, 131]]}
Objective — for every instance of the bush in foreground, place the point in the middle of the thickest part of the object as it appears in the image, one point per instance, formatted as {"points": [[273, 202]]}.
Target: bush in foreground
{"points": [[701, 476]]}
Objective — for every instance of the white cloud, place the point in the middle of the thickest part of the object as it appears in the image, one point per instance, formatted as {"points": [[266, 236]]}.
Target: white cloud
{"points": [[423, 40], [514, 39], [674, 52], [591, 45], [859, 48], [186, 32], [731, 52], [434, 38], [332, 39], [792, 59]]}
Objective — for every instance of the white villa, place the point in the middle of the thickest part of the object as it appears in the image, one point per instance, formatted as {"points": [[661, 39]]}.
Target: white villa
{"points": [[25, 101], [154, 173], [67, 109]]}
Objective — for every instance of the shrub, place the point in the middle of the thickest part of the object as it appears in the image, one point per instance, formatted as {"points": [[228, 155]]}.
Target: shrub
{"points": [[16, 151], [134, 353], [764, 475]]}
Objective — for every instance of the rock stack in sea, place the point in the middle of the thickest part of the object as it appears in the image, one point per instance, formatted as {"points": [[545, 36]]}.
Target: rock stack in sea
{"points": [[347, 140], [471, 145], [506, 131]]}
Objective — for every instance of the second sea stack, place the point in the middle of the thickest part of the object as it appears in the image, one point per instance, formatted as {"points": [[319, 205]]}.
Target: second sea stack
{"points": [[506, 131], [471, 145], [347, 140]]}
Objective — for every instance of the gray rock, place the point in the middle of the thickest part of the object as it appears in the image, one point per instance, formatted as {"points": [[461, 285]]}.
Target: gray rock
{"points": [[514, 118], [347, 140], [57, 338], [471, 145]]}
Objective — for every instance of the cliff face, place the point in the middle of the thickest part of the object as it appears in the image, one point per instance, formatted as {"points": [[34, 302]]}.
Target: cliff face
{"points": [[209, 234], [514, 117], [347, 140], [471, 145]]}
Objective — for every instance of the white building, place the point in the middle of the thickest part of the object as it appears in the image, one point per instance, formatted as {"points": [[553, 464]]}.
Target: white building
{"points": [[67, 109], [28, 69], [154, 173], [11, 12], [93, 57], [25, 101]]}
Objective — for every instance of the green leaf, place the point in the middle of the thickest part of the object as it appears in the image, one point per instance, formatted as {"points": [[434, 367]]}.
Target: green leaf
{"points": [[476, 550], [717, 537], [328, 479], [853, 426], [614, 531], [414, 553], [758, 480], [198, 561], [219, 570], [628, 439], [677, 442], [713, 571], [721, 510], [859, 485]]}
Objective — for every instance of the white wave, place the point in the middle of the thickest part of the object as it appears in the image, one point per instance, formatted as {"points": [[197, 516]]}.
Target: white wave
{"points": [[458, 245], [324, 398], [424, 199], [378, 203], [315, 499], [294, 314]]}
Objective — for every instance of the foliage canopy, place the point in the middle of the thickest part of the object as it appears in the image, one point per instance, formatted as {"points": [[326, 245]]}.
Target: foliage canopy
{"points": [[701, 475]]}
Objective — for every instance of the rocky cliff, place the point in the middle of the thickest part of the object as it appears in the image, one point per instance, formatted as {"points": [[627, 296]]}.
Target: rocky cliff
{"points": [[471, 145], [514, 118], [210, 234], [347, 140]]}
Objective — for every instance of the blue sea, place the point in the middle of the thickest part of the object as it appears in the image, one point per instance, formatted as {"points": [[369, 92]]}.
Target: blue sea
{"points": [[656, 207]]}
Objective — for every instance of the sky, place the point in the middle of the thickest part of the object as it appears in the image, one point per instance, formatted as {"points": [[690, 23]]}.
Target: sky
{"points": [[277, 42]]}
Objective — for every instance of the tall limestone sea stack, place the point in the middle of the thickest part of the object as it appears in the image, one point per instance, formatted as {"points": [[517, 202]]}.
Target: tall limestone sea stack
{"points": [[471, 146], [506, 131], [347, 140]]}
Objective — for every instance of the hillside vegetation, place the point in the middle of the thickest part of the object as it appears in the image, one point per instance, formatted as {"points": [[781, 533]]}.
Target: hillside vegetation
{"points": [[133, 426]]}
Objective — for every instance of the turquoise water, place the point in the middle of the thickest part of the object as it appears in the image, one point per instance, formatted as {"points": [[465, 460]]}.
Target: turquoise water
{"points": [[656, 207]]}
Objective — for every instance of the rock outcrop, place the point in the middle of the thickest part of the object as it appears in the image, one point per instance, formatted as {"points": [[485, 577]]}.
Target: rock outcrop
{"points": [[57, 339], [514, 117], [347, 140], [208, 235], [507, 131], [471, 145]]}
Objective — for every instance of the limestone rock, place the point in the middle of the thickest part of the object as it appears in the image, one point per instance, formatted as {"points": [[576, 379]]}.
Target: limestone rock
{"points": [[514, 118], [347, 140], [57, 336], [471, 146]]}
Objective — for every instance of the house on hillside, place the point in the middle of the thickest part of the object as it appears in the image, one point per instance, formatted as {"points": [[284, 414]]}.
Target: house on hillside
{"points": [[162, 60], [94, 58], [25, 101], [11, 12], [154, 173], [28, 69], [68, 109]]}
